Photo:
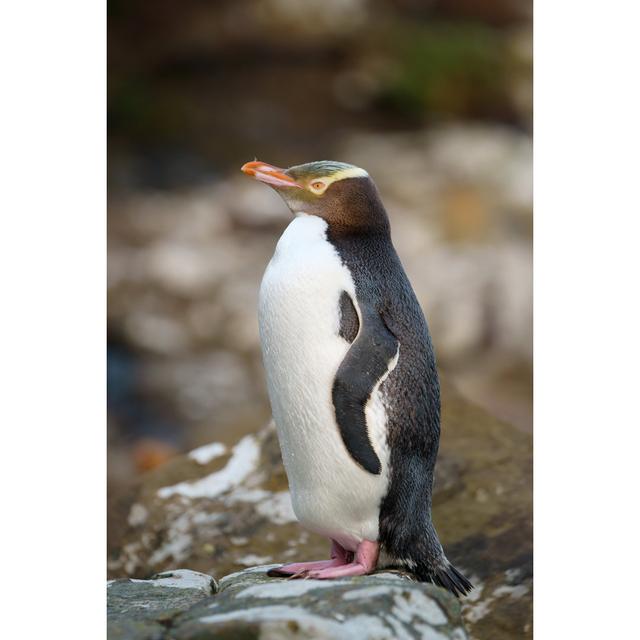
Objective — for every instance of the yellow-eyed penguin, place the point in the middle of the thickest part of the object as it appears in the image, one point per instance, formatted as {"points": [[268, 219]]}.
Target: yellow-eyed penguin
{"points": [[352, 378]]}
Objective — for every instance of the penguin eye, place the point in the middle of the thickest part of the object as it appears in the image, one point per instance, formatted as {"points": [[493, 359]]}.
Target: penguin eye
{"points": [[318, 185]]}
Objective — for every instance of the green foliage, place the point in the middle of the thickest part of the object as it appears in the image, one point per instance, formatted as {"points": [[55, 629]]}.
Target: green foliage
{"points": [[458, 69]]}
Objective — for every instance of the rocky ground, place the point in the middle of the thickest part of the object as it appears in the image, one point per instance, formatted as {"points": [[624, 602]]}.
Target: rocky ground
{"points": [[222, 509], [186, 605]]}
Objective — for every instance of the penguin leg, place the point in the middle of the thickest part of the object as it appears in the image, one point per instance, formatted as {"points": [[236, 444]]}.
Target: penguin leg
{"points": [[365, 562], [339, 557]]}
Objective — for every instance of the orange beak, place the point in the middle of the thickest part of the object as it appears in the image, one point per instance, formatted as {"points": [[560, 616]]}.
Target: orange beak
{"points": [[269, 174]]}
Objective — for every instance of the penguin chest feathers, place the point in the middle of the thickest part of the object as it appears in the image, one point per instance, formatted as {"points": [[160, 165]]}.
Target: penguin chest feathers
{"points": [[299, 318]]}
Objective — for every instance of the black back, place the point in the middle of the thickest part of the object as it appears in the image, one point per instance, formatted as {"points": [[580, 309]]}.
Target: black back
{"points": [[411, 392], [391, 315]]}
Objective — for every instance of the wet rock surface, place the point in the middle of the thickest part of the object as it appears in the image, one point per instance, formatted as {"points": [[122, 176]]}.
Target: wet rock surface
{"points": [[248, 604], [221, 509]]}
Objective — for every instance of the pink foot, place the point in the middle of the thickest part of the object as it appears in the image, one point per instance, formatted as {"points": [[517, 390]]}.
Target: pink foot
{"points": [[296, 568], [339, 557], [364, 563]]}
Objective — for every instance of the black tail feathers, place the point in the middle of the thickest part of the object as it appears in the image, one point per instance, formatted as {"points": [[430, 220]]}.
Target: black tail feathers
{"points": [[451, 579], [441, 573]]}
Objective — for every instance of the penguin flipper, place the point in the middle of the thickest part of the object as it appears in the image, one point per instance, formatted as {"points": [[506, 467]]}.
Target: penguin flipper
{"points": [[364, 365]]}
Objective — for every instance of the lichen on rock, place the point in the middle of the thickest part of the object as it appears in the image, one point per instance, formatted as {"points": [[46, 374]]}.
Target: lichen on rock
{"points": [[143, 609], [248, 604]]}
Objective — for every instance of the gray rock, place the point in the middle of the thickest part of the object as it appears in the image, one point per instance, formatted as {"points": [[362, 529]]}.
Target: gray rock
{"points": [[181, 605], [144, 609]]}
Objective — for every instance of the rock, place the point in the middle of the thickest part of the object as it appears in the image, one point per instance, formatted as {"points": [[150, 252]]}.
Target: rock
{"points": [[143, 609], [248, 604], [224, 510]]}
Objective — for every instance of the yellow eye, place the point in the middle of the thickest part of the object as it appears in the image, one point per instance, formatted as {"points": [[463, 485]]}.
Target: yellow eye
{"points": [[317, 185]]}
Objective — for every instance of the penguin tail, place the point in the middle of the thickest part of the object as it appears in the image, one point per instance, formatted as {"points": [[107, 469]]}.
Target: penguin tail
{"points": [[448, 577], [408, 538], [443, 574], [438, 571]]}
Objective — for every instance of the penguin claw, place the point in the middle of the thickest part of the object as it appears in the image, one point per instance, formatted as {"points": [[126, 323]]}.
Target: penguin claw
{"points": [[277, 573], [304, 574], [282, 572]]}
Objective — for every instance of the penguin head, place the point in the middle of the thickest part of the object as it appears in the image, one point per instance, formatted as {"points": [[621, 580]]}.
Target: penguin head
{"points": [[343, 194]]}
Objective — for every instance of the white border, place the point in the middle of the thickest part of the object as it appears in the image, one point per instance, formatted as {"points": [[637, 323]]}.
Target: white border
{"points": [[52, 265], [587, 318]]}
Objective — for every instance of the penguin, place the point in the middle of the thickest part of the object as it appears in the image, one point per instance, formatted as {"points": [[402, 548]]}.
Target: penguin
{"points": [[352, 380]]}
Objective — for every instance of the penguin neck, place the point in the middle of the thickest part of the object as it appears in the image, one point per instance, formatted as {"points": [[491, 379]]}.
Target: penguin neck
{"points": [[379, 234], [360, 215], [356, 241]]}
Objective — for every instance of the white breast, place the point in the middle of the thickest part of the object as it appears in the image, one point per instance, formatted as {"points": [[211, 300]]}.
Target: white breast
{"points": [[302, 350]]}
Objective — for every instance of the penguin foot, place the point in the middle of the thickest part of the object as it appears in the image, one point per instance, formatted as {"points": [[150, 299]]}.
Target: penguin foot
{"points": [[365, 562], [339, 557], [300, 569]]}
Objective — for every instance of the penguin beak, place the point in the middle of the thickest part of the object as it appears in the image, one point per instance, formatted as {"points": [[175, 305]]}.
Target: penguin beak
{"points": [[269, 174]]}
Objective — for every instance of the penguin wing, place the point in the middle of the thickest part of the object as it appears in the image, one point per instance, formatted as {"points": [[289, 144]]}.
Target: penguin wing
{"points": [[364, 365]]}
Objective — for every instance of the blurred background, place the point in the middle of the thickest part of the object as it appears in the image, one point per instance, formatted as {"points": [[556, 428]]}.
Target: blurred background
{"points": [[432, 97]]}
